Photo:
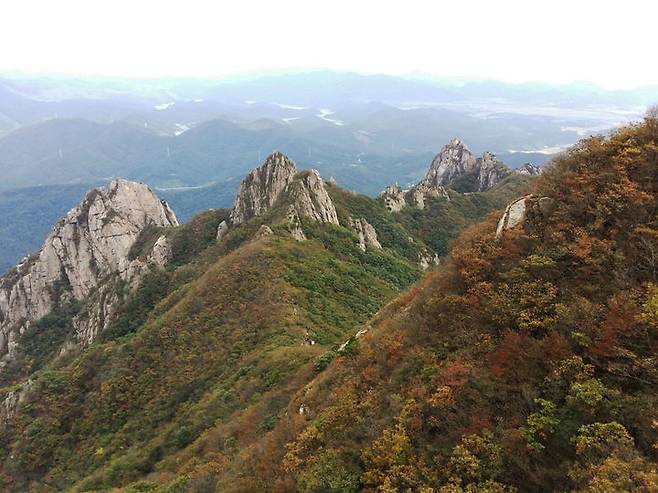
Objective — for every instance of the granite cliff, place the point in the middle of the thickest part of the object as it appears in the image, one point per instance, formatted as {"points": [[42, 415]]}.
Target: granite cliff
{"points": [[86, 247]]}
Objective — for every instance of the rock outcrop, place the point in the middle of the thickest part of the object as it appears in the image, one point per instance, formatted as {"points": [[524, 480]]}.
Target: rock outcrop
{"points": [[455, 164], [262, 187], [13, 400], [393, 197], [294, 224], [366, 233], [91, 243], [277, 178], [310, 198], [418, 194], [529, 169], [454, 160], [516, 213], [490, 171], [222, 229], [427, 259]]}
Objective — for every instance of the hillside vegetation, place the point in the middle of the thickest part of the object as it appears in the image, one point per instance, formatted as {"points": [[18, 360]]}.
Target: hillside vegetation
{"points": [[204, 359], [524, 362]]}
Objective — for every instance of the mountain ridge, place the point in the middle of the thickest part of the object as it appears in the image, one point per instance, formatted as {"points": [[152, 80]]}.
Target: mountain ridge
{"points": [[230, 325]]}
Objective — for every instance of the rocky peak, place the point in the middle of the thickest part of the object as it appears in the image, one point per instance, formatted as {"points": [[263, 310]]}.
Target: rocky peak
{"points": [[309, 196], [278, 177], [454, 160], [490, 171], [529, 169], [92, 242], [261, 188]]}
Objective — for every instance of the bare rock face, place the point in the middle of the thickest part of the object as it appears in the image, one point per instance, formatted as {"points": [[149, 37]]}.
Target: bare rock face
{"points": [[106, 301], [13, 401], [294, 224], [222, 229], [91, 243], [513, 216], [262, 187], [490, 171], [366, 233], [309, 196], [454, 160], [393, 197], [423, 191], [516, 213], [427, 260], [529, 169], [278, 177]]}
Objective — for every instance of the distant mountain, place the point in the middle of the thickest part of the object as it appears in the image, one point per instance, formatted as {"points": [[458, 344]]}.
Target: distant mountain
{"points": [[81, 151], [193, 140]]}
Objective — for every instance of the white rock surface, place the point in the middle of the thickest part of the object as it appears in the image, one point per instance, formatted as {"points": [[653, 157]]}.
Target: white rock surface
{"points": [[427, 259], [423, 191], [490, 171], [309, 196], [366, 233], [262, 187], [454, 160], [516, 213], [393, 197], [277, 177], [91, 243], [529, 169], [13, 400], [294, 224], [222, 229]]}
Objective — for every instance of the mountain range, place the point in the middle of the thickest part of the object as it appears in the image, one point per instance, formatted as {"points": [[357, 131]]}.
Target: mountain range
{"points": [[193, 140], [478, 330]]}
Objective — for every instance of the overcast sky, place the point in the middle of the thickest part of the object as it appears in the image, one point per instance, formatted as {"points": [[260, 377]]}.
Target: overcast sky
{"points": [[553, 41]]}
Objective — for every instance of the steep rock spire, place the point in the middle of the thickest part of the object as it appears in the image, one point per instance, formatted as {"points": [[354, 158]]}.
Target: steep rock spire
{"points": [[454, 160], [310, 198], [261, 188]]}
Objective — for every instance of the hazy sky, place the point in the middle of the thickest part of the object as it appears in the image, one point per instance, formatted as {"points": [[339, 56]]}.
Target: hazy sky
{"points": [[610, 43]]}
